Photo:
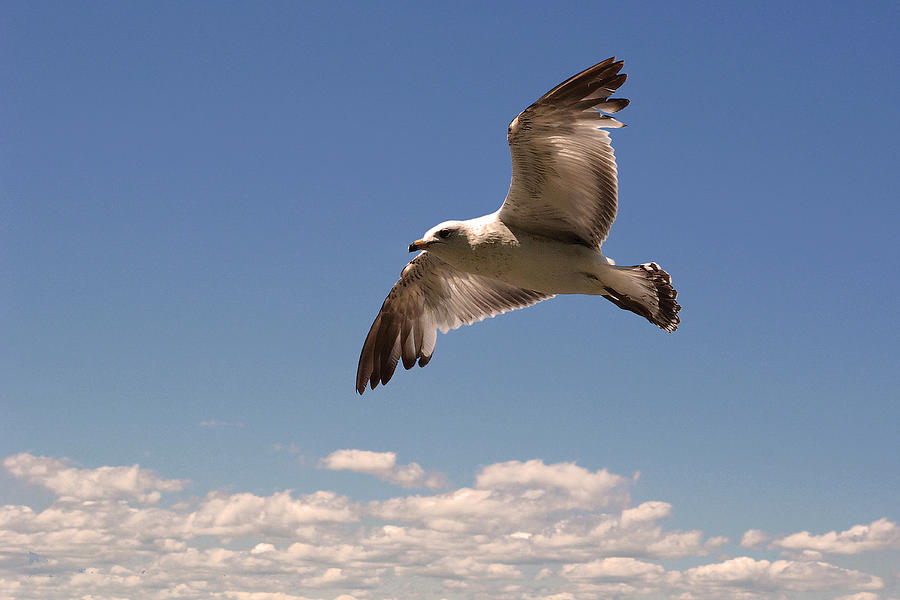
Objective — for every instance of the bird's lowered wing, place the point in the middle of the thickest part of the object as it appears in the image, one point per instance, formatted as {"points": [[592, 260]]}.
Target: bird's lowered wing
{"points": [[430, 295], [564, 183]]}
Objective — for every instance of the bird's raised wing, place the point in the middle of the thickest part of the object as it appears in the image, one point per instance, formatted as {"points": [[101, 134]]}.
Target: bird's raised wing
{"points": [[430, 295], [564, 182]]}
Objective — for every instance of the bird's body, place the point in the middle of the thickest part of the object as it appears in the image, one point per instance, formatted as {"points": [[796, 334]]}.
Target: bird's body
{"points": [[544, 240], [493, 249]]}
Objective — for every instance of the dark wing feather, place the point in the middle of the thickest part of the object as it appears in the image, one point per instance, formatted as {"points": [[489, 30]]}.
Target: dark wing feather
{"points": [[564, 182], [430, 295]]}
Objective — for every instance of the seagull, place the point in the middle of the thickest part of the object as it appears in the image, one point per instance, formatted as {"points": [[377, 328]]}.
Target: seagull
{"points": [[544, 240]]}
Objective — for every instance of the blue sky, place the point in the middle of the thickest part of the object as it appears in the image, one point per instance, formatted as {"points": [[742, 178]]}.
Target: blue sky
{"points": [[202, 207]]}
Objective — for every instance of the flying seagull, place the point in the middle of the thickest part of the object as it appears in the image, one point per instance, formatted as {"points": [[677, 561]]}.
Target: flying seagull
{"points": [[544, 240]]}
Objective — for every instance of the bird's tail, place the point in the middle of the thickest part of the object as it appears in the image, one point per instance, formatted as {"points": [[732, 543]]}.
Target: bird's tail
{"points": [[646, 290]]}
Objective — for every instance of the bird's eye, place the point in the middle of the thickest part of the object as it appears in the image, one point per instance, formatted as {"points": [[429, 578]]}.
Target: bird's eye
{"points": [[444, 233]]}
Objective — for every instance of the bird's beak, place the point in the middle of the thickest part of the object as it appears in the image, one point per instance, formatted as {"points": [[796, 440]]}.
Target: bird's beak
{"points": [[418, 245]]}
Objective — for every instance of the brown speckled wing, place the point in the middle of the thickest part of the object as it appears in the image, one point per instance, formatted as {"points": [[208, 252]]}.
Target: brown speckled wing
{"points": [[430, 295], [564, 182]]}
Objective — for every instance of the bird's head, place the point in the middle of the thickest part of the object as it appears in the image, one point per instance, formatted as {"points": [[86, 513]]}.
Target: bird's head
{"points": [[443, 238]]}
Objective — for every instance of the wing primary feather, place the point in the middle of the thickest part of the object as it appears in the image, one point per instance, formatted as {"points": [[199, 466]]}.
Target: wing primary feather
{"points": [[586, 73], [367, 357], [419, 335], [393, 358], [407, 344], [584, 85], [385, 348], [613, 105], [596, 104], [430, 340]]}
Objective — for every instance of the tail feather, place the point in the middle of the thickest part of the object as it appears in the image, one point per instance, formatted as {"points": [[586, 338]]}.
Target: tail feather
{"points": [[646, 290]]}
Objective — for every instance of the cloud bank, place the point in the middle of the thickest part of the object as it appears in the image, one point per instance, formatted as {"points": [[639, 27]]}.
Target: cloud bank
{"points": [[524, 530]]}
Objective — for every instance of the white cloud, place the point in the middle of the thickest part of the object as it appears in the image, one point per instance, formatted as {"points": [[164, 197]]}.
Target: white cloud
{"points": [[380, 464], [91, 484], [262, 548], [583, 488], [647, 512], [456, 567], [384, 466], [753, 538], [233, 515], [525, 530], [877, 535], [614, 568], [746, 572]]}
